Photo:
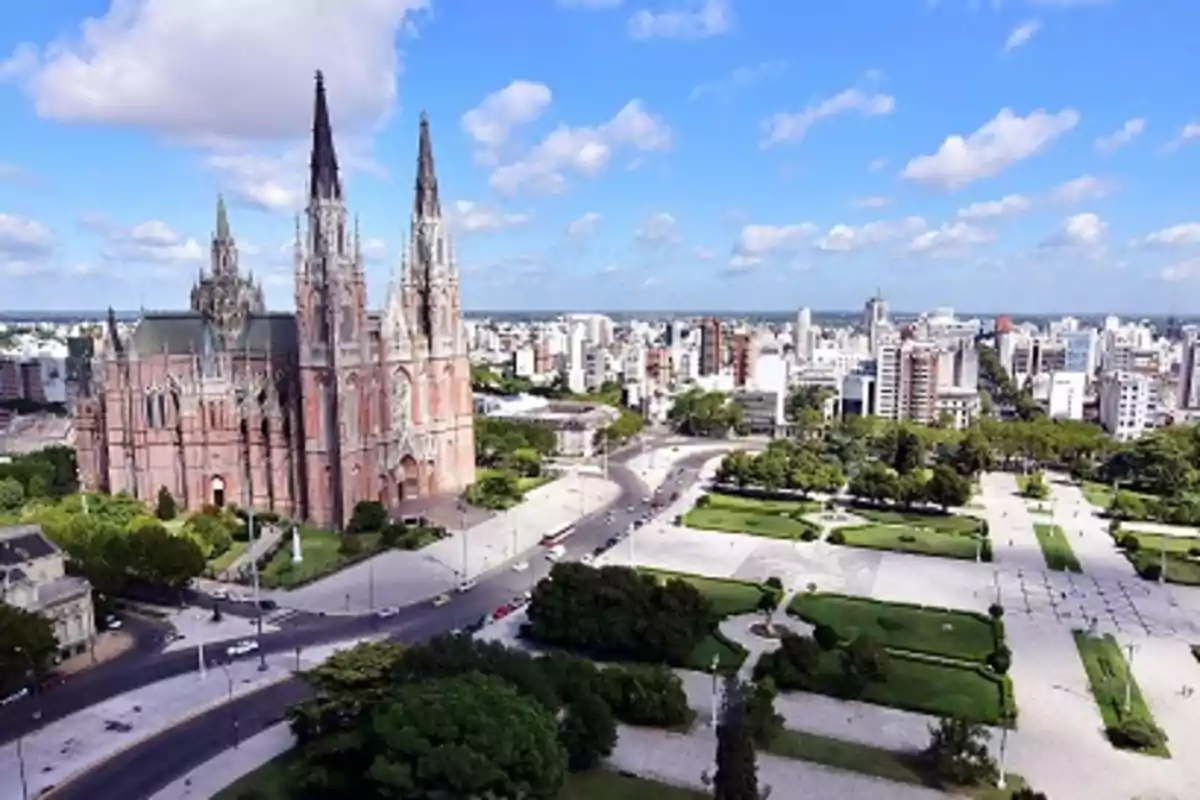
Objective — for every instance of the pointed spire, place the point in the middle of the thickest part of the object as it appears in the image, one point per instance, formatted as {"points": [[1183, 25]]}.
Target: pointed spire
{"points": [[223, 234], [425, 203], [324, 183]]}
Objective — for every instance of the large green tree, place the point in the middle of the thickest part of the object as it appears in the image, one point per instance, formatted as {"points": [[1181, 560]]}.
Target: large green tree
{"points": [[27, 644]]}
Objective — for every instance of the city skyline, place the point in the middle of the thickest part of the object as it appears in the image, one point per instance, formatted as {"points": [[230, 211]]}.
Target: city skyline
{"points": [[723, 157]]}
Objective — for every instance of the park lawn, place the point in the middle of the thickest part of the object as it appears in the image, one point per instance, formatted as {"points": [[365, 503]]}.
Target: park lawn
{"points": [[757, 517], [269, 782], [729, 596], [222, 562], [900, 626], [760, 505], [322, 556], [1100, 494], [1107, 673], [932, 520], [1182, 568], [864, 759], [924, 685], [1056, 548], [523, 484], [730, 655], [903, 539]]}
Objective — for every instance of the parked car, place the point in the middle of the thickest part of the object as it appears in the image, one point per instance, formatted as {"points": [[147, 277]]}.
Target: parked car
{"points": [[241, 648], [268, 605], [556, 553], [441, 600], [520, 566], [501, 612], [587, 559], [465, 586], [387, 612]]}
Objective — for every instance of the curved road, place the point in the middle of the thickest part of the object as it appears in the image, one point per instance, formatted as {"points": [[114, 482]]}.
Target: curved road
{"points": [[145, 768]]}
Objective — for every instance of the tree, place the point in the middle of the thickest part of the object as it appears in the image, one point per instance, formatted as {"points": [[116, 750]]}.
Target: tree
{"points": [[392, 532], [28, 644], [736, 777], [12, 494], [1025, 793], [165, 508], [768, 603], [973, 454], [1034, 486], [947, 488], [466, 736], [588, 731], [958, 753], [764, 722], [160, 559], [864, 661], [368, 516], [825, 636], [875, 482]]}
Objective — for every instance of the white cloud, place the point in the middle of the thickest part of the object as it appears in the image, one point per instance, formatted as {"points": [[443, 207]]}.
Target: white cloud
{"points": [[793, 127], [949, 239], [1129, 130], [470, 217], [758, 241], [22, 238], [270, 183], [1003, 141], [491, 123], [584, 225], [1006, 206], [1186, 270], [1186, 233], [694, 19], [585, 151], [1021, 35], [876, 201], [740, 78], [876, 164], [658, 229], [848, 238], [208, 70], [588, 5], [739, 263], [1187, 133], [1082, 230], [150, 242], [1083, 189]]}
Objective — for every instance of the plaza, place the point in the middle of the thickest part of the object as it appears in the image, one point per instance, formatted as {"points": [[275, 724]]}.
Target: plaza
{"points": [[1059, 727]]}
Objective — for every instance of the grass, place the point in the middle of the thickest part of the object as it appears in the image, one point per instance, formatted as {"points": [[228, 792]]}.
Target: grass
{"points": [[1056, 548], [903, 539], [1100, 494], [222, 562], [1023, 488], [269, 782], [773, 519], [899, 626], [1181, 567], [322, 556], [1108, 675], [864, 759], [930, 520]]}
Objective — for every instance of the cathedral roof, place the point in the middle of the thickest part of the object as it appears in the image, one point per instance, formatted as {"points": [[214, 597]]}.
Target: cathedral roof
{"points": [[184, 333]]}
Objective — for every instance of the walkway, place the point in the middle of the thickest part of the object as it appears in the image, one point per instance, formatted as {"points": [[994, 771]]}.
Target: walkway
{"points": [[270, 536]]}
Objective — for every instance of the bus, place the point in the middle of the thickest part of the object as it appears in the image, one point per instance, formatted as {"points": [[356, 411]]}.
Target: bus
{"points": [[558, 536]]}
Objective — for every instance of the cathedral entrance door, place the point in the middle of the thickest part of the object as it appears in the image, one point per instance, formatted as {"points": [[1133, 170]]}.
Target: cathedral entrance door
{"points": [[218, 492], [409, 485]]}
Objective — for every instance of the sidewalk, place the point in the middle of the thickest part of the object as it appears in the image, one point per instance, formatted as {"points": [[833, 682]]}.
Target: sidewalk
{"points": [[75, 743]]}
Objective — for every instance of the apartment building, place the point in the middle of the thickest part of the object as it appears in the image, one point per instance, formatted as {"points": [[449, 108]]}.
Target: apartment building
{"points": [[712, 346], [35, 579], [1128, 404]]}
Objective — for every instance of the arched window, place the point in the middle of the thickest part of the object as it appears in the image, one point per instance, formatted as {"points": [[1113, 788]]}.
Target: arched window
{"points": [[149, 411], [162, 410]]}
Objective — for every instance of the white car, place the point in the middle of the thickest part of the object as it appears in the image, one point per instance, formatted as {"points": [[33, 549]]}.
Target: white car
{"points": [[520, 566], [587, 559], [465, 586], [219, 594], [387, 612], [241, 648], [112, 623]]}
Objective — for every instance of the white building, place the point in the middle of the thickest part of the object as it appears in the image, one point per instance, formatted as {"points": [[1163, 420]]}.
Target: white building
{"points": [[762, 411], [35, 579], [804, 338], [1065, 394], [1128, 404]]}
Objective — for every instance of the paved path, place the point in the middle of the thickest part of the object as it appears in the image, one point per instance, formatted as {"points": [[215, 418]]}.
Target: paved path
{"points": [[269, 537], [400, 578]]}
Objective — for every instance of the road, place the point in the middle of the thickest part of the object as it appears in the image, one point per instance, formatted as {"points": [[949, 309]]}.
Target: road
{"points": [[146, 768]]}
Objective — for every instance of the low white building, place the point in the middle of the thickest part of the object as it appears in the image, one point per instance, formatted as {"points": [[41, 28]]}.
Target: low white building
{"points": [[1128, 404], [575, 425], [1065, 394]]}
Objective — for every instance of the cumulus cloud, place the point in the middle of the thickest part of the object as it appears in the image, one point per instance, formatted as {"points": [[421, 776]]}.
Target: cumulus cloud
{"points": [[1129, 130], [1187, 233], [211, 69], [657, 230], [25, 246], [1187, 270], [793, 127], [470, 217], [756, 242], [585, 151], [150, 242], [691, 19], [492, 122], [1081, 231], [876, 201], [952, 238], [584, 225], [848, 238], [1083, 189], [1003, 141], [1021, 35], [1007, 206], [588, 5]]}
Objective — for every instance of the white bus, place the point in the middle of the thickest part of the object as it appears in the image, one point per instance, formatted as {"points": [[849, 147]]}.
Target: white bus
{"points": [[557, 536]]}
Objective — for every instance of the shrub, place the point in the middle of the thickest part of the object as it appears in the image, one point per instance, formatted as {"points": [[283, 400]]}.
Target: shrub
{"points": [[1000, 660], [907, 537], [1130, 543], [1137, 734], [1194, 552], [809, 535], [958, 753], [368, 516], [825, 636], [350, 545], [704, 501], [165, 508], [836, 537], [774, 582], [644, 694], [996, 611], [588, 731], [1151, 571], [864, 661]]}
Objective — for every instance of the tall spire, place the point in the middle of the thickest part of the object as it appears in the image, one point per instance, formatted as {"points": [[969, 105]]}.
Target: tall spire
{"points": [[425, 201], [324, 183], [222, 221]]}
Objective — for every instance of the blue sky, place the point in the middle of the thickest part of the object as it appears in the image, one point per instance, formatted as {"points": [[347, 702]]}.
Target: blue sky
{"points": [[994, 155]]}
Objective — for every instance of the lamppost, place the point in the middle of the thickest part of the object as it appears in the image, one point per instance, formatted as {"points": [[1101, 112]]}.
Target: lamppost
{"points": [[1131, 648], [371, 585], [716, 664], [1002, 779], [258, 609], [232, 705], [37, 715]]}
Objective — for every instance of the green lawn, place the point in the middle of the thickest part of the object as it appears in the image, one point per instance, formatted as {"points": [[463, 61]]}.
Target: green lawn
{"points": [[1182, 568], [269, 782], [874, 761], [322, 556], [898, 626], [772, 519], [222, 562], [936, 521], [1108, 672], [1100, 494], [1056, 548], [903, 539]]}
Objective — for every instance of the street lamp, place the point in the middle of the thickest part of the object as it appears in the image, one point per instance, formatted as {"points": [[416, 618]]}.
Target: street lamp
{"points": [[258, 609], [232, 706], [1002, 779], [37, 715], [1131, 648]]}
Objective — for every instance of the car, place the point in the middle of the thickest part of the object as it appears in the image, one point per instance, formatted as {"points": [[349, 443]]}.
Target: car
{"points": [[268, 605], [632, 509], [387, 612], [219, 594], [112, 622], [441, 600], [599, 550], [520, 601], [501, 612], [20, 694], [520, 566], [465, 586], [556, 553], [241, 648], [587, 559]]}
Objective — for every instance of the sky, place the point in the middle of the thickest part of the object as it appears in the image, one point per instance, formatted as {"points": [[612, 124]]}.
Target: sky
{"points": [[741, 155]]}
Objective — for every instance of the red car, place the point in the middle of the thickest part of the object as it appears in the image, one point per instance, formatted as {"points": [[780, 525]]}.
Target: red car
{"points": [[501, 612]]}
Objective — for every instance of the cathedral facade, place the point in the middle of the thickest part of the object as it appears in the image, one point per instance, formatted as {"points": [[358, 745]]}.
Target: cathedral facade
{"points": [[302, 414]]}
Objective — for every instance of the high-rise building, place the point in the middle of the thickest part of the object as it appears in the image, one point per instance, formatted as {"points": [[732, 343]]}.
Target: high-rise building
{"points": [[742, 357], [1189, 370], [712, 346], [1128, 404], [804, 335]]}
